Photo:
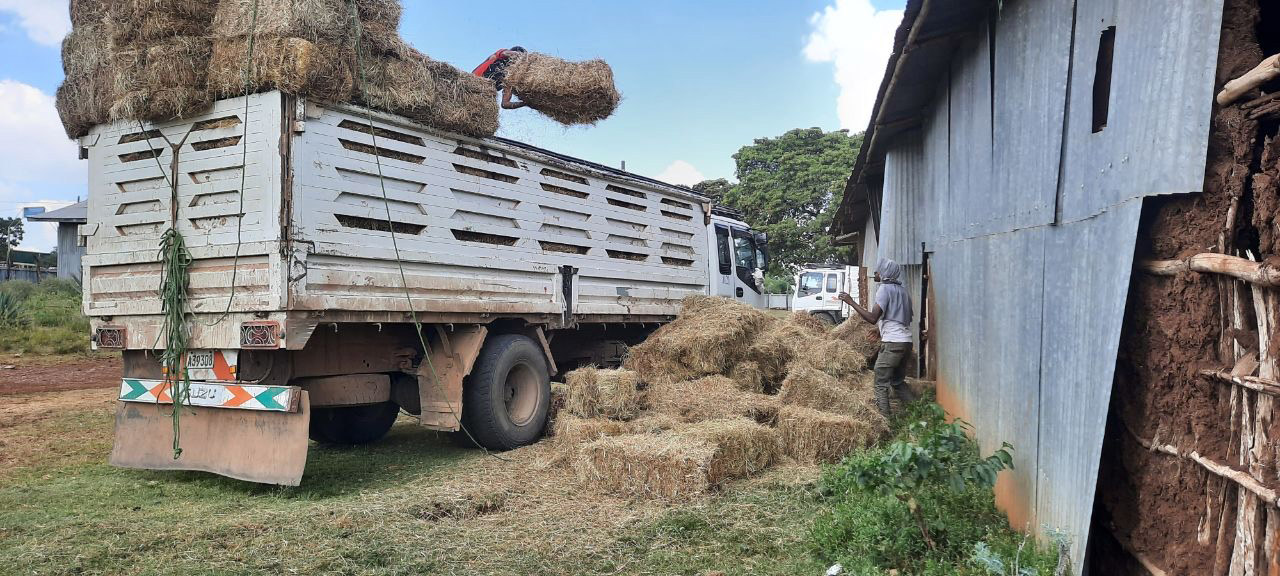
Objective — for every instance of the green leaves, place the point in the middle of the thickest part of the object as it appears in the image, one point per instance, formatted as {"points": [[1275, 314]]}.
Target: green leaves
{"points": [[789, 188]]}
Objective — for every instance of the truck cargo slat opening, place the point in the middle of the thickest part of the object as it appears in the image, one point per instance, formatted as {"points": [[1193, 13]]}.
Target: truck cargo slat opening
{"points": [[564, 231], [362, 223], [562, 190], [214, 124], [485, 157], [627, 191], [143, 155], [676, 261], [563, 176], [623, 255], [676, 215], [483, 238], [219, 143], [140, 207], [676, 203], [382, 132], [681, 248], [485, 174], [139, 136], [380, 151], [627, 205], [561, 247]]}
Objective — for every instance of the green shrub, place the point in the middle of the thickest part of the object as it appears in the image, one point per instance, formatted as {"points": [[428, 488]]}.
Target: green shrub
{"points": [[19, 290], [919, 505], [11, 312], [42, 318]]}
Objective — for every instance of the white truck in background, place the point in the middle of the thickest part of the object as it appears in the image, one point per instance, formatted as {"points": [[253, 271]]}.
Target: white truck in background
{"points": [[816, 288], [518, 262]]}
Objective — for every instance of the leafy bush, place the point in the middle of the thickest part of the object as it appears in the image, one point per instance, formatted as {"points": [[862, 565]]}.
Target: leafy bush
{"points": [[777, 284], [43, 318], [920, 504]]}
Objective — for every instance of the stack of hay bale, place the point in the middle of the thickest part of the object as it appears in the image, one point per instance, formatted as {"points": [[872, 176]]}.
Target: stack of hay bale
{"points": [[161, 54], [84, 98], [684, 415]]}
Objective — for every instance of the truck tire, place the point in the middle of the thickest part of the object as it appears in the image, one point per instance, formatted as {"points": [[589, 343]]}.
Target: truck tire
{"points": [[506, 397], [827, 318], [352, 424]]}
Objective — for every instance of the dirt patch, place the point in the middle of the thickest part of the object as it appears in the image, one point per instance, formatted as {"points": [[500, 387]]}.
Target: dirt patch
{"points": [[1173, 329], [51, 374], [54, 429]]}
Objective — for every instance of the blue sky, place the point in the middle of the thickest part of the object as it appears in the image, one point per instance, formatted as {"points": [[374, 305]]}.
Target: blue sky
{"points": [[699, 79]]}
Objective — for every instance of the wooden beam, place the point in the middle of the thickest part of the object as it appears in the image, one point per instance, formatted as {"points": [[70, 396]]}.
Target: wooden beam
{"points": [[1264, 385], [1241, 479], [1265, 71], [1252, 272]]}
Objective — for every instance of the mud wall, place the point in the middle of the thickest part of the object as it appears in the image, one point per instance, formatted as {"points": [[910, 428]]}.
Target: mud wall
{"points": [[1167, 510]]}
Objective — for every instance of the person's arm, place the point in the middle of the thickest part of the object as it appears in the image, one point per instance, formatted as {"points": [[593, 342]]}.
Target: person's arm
{"points": [[506, 100], [870, 316]]}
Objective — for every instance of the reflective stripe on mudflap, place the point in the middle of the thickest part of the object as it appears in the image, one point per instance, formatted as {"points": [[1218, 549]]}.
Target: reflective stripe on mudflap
{"points": [[214, 395]]}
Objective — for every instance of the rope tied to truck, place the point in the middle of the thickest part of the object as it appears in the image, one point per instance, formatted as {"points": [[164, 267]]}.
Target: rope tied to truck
{"points": [[386, 203]]}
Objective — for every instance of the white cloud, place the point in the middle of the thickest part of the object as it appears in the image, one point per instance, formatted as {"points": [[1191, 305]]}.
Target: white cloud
{"points": [[36, 159], [857, 39], [34, 148], [680, 173], [45, 21]]}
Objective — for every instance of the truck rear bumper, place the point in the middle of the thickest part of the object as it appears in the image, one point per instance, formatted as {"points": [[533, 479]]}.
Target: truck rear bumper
{"points": [[256, 445]]}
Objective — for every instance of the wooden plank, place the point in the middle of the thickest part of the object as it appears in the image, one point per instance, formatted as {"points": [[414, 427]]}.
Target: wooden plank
{"points": [[1258, 384], [1257, 273], [1242, 479], [250, 445]]}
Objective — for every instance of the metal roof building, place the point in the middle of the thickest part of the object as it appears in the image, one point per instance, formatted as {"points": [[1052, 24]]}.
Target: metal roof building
{"points": [[1009, 153], [69, 219]]}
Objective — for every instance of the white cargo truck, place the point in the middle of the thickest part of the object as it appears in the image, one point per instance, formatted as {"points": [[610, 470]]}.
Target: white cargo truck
{"points": [[817, 286], [518, 263]]}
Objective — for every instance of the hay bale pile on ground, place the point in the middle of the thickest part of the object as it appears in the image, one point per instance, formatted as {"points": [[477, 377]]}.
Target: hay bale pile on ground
{"points": [[567, 92], [722, 392]]}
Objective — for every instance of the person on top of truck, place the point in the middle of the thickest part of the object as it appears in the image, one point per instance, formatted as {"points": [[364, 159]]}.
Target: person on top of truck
{"points": [[494, 68], [891, 312]]}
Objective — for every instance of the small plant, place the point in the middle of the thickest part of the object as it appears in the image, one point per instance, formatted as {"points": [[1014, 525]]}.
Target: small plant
{"points": [[11, 311], [995, 565], [934, 452]]}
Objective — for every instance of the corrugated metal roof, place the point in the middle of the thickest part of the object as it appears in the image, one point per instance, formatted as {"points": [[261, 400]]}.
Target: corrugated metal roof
{"points": [[77, 213]]}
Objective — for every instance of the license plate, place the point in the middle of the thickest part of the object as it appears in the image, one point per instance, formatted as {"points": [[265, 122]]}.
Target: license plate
{"points": [[200, 359], [212, 364]]}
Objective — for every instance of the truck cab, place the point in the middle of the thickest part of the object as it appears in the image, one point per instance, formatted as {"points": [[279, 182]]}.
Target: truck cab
{"points": [[816, 288], [741, 257]]}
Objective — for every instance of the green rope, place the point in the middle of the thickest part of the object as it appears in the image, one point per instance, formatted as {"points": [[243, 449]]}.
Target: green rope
{"points": [[173, 297]]}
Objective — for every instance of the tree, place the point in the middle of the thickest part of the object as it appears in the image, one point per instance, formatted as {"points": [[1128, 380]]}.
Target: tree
{"points": [[10, 237], [714, 189], [789, 188]]}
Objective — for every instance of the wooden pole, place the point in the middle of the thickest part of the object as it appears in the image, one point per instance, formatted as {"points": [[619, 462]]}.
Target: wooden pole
{"points": [[1240, 478], [1258, 384], [1256, 273], [1265, 71]]}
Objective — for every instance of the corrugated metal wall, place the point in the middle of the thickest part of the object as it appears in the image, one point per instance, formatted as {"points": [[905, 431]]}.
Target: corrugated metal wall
{"points": [[1031, 243]]}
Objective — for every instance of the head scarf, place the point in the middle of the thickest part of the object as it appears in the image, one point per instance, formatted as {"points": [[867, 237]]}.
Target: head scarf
{"points": [[892, 296]]}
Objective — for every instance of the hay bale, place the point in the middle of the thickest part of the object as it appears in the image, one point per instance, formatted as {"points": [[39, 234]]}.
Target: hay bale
{"points": [[742, 447], [567, 92], [781, 341], [570, 431], [291, 65], [662, 466], [86, 50], [710, 336], [465, 103], [836, 358], [380, 28], [160, 105], [162, 82], [865, 338], [709, 398], [748, 377], [403, 86], [317, 21], [812, 388], [84, 101], [146, 21], [593, 392], [89, 12], [815, 437]]}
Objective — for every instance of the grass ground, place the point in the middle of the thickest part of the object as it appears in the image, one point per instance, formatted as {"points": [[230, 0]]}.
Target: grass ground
{"points": [[411, 504], [42, 318]]}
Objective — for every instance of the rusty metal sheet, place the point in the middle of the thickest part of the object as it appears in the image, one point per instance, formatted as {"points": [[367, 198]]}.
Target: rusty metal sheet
{"points": [[441, 373], [250, 445]]}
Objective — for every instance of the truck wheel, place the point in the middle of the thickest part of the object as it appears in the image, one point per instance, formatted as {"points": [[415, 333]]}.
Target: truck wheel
{"points": [[505, 399], [827, 318], [353, 424]]}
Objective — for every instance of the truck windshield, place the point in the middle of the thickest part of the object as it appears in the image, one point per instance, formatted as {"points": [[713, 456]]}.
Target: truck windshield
{"points": [[810, 283]]}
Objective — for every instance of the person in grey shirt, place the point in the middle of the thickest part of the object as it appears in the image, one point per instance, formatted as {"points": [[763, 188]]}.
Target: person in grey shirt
{"points": [[891, 312]]}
